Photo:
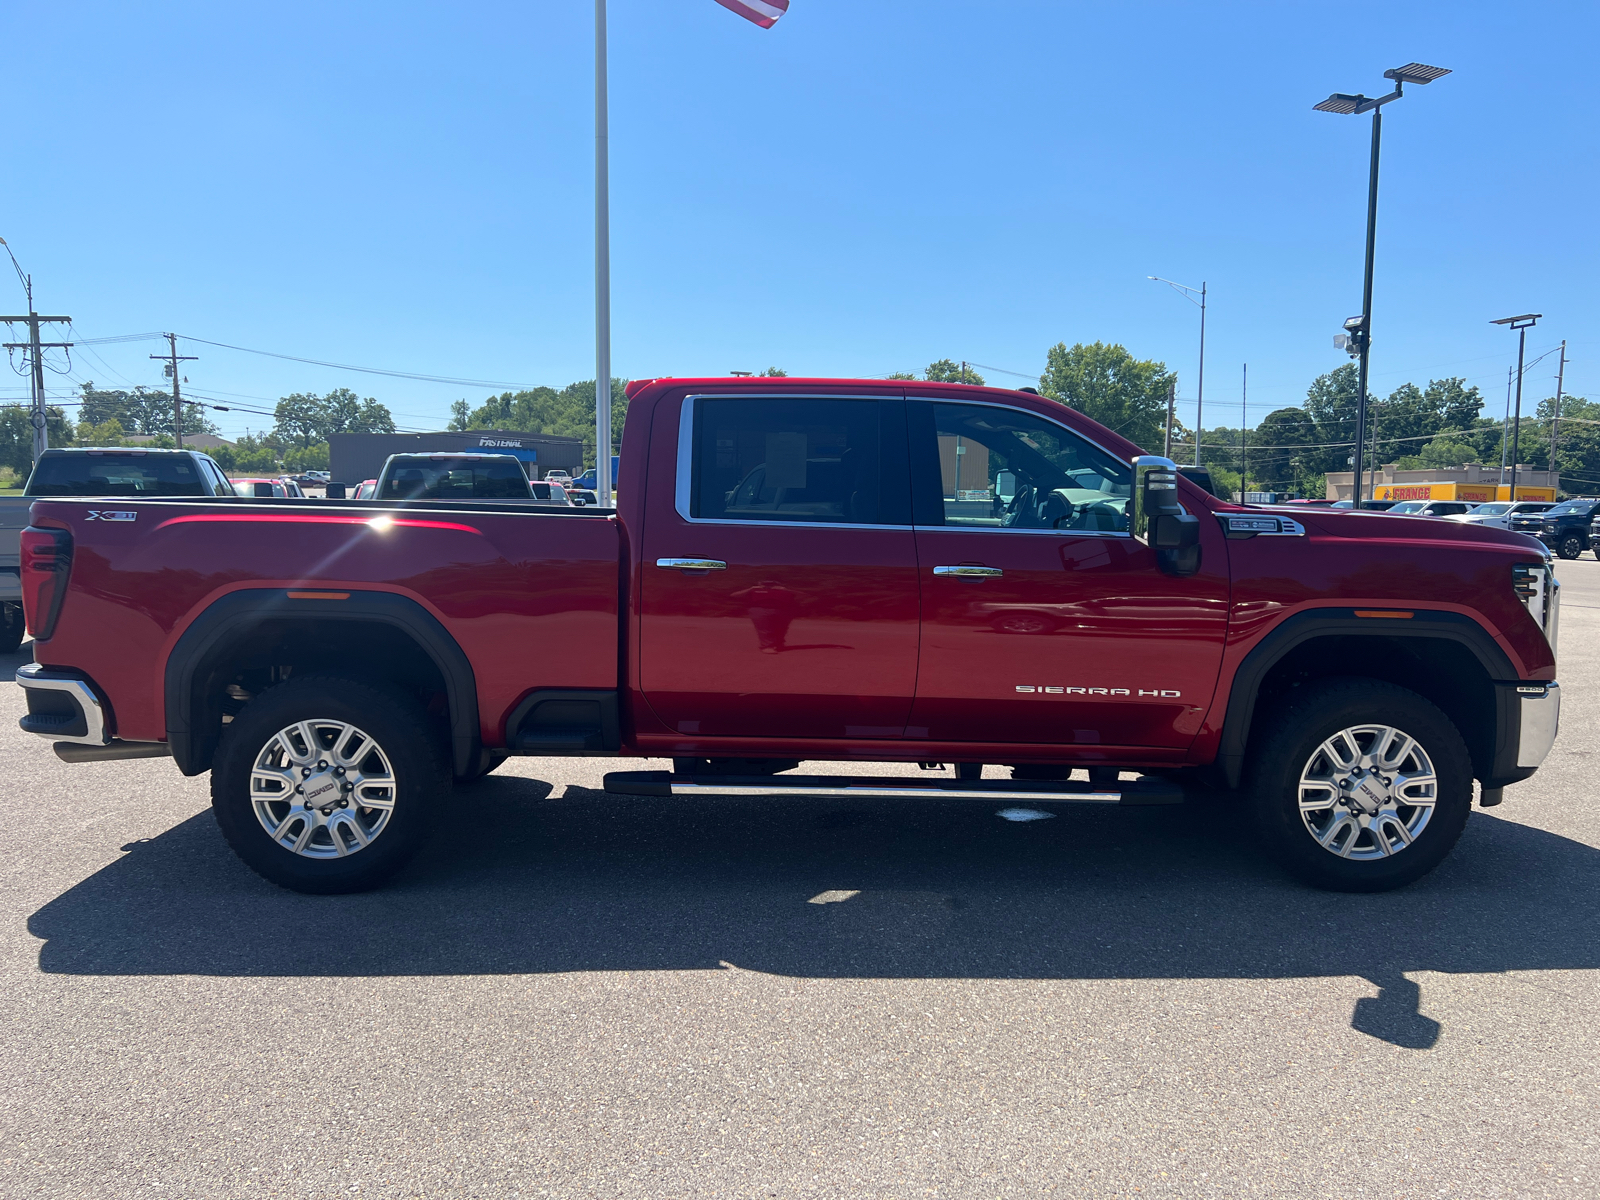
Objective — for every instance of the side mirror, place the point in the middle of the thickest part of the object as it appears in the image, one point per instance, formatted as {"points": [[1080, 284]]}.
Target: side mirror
{"points": [[335, 491], [1158, 518]]}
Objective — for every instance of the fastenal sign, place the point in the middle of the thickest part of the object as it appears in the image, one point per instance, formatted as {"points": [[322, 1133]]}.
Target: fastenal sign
{"points": [[500, 443]]}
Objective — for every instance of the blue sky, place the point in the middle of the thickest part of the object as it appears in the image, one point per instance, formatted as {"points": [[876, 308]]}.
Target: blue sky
{"points": [[864, 188]]}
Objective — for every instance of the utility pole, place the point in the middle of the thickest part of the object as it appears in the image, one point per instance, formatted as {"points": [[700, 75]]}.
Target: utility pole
{"points": [[1244, 416], [1505, 428], [1172, 401], [1555, 419], [1520, 325], [35, 349], [172, 359], [602, 265]]}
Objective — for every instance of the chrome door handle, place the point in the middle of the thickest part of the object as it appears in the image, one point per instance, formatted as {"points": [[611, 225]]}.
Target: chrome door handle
{"points": [[969, 572], [691, 564]]}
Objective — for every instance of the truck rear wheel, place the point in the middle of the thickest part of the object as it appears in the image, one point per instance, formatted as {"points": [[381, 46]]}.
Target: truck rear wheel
{"points": [[11, 628], [1360, 786], [326, 784]]}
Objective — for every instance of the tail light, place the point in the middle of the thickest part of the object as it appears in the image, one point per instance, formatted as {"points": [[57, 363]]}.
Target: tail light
{"points": [[46, 562]]}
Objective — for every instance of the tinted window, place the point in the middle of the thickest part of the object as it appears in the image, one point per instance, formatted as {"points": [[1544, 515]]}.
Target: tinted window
{"points": [[1572, 508], [1006, 469], [117, 475], [794, 460], [455, 479]]}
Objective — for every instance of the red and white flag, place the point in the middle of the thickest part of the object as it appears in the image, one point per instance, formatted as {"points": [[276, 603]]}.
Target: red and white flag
{"points": [[764, 13]]}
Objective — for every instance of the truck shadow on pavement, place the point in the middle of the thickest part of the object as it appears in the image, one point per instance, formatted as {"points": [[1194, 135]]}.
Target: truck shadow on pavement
{"points": [[520, 881]]}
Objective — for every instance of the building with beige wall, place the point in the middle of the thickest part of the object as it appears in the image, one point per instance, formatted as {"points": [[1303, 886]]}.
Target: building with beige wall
{"points": [[1341, 484]]}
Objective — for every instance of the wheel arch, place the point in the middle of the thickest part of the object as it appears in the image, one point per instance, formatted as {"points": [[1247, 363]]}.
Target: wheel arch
{"points": [[272, 628], [1446, 657]]}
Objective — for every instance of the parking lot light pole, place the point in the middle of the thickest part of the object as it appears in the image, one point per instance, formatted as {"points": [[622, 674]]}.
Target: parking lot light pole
{"points": [[1188, 293], [1342, 102], [1521, 324]]}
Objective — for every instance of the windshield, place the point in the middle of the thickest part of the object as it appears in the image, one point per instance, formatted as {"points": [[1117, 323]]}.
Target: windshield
{"points": [[455, 479], [1491, 510], [130, 474], [1572, 506], [1409, 506]]}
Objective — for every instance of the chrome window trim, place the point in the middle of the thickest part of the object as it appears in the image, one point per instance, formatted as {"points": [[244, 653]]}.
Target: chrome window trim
{"points": [[1056, 533], [683, 484]]}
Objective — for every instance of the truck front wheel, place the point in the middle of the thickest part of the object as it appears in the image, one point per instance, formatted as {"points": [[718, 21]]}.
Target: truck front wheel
{"points": [[1360, 786], [326, 784], [1570, 546]]}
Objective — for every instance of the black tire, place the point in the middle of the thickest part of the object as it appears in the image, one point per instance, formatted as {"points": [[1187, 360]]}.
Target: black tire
{"points": [[1570, 546], [12, 628], [1313, 715], [410, 747]]}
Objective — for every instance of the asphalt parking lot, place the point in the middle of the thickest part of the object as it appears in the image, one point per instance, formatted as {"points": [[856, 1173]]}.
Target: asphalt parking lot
{"points": [[577, 995]]}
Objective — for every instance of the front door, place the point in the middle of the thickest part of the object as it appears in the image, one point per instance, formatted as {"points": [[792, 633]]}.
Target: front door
{"points": [[779, 591], [1043, 620]]}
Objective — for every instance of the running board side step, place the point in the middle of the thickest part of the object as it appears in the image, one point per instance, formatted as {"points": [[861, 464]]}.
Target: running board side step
{"points": [[1144, 790]]}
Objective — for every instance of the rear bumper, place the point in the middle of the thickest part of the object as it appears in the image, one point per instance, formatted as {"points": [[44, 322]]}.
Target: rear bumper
{"points": [[62, 706]]}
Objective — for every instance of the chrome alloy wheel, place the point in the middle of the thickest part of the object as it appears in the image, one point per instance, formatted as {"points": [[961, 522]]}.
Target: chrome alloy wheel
{"points": [[1367, 792], [322, 789]]}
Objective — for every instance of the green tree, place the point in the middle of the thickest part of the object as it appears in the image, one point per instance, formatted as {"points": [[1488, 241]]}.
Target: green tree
{"points": [[460, 415], [1279, 450], [107, 433], [902, 375], [141, 411], [16, 435], [568, 412], [775, 373], [946, 371], [1456, 404], [307, 418], [1331, 402], [1108, 385]]}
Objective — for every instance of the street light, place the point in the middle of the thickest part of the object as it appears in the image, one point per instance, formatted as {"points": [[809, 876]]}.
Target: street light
{"points": [[1521, 324], [1359, 336], [1188, 293]]}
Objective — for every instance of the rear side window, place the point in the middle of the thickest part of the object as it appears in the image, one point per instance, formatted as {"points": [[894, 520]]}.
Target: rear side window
{"points": [[117, 475], [455, 479], [802, 460]]}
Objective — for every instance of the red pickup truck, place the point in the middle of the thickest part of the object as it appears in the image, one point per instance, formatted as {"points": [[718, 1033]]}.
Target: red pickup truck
{"points": [[806, 569]]}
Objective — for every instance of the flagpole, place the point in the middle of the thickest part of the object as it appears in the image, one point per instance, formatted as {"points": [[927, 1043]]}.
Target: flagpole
{"points": [[602, 267]]}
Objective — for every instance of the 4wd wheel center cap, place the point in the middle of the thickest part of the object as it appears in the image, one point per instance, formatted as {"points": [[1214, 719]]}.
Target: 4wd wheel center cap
{"points": [[321, 790], [1367, 792]]}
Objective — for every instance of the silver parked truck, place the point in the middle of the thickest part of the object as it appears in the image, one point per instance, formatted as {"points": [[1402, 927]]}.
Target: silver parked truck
{"points": [[93, 472]]}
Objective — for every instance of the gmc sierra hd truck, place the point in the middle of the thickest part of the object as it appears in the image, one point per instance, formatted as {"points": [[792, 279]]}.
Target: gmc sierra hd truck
{"points": [[806, 570]]}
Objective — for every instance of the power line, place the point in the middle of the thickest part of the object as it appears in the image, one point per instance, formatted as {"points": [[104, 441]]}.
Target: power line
{"points": [[316, 362]]}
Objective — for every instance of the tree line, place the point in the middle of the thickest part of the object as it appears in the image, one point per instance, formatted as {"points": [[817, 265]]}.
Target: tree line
{"points": [[297, 441], [1290, 450]]}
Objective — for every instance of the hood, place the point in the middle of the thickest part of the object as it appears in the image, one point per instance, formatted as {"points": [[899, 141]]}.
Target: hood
{"points": [[1377, 526]]}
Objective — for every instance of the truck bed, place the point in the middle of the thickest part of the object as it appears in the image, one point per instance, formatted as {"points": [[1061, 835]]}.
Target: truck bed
{"points": [[529, 593]]}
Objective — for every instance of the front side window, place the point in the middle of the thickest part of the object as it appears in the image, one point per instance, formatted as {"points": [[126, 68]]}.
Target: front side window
{"points": [[777, 459], [1002, 468]]}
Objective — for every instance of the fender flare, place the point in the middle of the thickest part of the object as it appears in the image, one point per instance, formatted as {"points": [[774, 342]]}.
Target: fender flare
{"points": [[1302, 627], [194, 742]]}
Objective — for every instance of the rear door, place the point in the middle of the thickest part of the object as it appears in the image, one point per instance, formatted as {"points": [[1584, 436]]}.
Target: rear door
{"points": [[779, 589], [1044, 620]]}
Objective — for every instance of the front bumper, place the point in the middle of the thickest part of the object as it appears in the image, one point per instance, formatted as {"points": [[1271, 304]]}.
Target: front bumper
{"points": [[1539, 718]]}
